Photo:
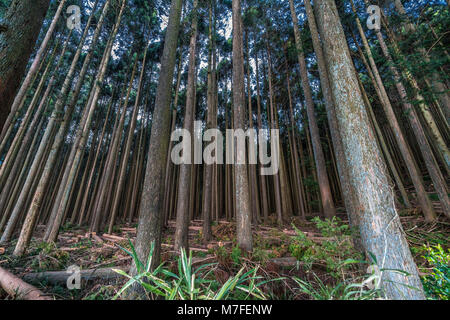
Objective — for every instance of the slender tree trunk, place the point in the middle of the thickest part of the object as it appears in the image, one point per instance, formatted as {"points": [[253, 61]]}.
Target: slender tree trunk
{"points": [[209, 169], [276, 177], [424, 201], [90, 109], [324, 184], [252, 167], [184, 181], [129, 141], [296, 168], [264, 202], [151, 214], [427, 153], [244, 231]]}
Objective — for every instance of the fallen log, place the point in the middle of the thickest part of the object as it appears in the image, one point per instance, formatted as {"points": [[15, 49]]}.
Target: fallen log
{"points": [[55, 277], [19, 289], [284, 262]]}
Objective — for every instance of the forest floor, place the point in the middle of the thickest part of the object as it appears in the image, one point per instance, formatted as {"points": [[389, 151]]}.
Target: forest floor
{"points": [[313, 252]]}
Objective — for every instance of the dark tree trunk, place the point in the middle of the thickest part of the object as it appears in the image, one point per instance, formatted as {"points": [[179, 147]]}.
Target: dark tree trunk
{"points": [[23, 20], [244, 232], [151, 213]]}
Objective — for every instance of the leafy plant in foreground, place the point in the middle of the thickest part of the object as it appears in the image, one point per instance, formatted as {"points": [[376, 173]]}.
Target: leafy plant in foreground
{"points": [[190, 283], [437, 282]]}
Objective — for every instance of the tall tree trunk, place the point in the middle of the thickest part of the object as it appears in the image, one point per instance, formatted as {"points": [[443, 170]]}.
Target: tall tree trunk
{"points": [[264, 202], [184, 181], [244, 230], [128, 143], [251, 167], [276, 177], [208, 177], [430, 162], [381, 231], [58, 210], [151, 214], [347, 189], [424, 201], [324, 184], [23, 21]]}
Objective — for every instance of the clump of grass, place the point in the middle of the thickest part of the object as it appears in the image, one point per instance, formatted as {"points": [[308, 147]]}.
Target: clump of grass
{"points": [[358, 289], [189, 283]]}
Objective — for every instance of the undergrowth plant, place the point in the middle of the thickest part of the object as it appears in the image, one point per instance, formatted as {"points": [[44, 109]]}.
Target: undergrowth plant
{"points": [[437, 282], [335, 248], [318, 290], [189, 283]]}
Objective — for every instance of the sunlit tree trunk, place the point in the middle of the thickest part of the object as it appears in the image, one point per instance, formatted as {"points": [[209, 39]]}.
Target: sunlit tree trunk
{"points": [[381, 231]]}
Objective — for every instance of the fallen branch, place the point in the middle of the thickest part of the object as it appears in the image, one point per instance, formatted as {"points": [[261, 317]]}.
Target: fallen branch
{"points": [[170, 246], [19, 289], [201, 261], [55, 277]]}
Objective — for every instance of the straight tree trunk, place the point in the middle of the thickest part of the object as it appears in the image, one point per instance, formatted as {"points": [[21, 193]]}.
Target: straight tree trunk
{"points": [[253, 183], [424, 201], [151, 214], [276, 177], [128, 143], [208, 176], [184, 181], [381, 231], [411, 114], [347, 189], [23, 21], [244, 230], [265, 204], [324, 184]]}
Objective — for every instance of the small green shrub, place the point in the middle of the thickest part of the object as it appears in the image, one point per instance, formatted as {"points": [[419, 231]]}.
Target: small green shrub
{"points": [[437, 282], [336, 248], [236, 255]]}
